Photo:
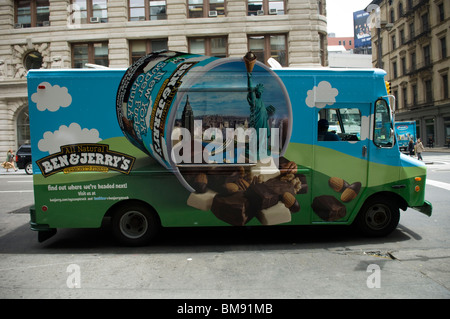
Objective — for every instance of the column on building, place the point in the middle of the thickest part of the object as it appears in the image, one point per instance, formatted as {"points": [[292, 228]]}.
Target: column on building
{"points": [[118, 47], [304, 44], [177, 11], [237, 37]]}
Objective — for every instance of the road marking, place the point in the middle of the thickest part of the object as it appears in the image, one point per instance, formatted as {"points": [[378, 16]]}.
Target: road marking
{"points": [[439, 184], [23, 191], [20, 181]]}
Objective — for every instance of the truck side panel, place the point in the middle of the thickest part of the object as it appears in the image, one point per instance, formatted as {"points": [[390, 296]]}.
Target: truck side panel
{"points": [[84, 163]]}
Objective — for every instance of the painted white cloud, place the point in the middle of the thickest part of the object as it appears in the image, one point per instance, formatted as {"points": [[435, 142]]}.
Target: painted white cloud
{"points": [[51, 97], [73, 134], [321, 95]]}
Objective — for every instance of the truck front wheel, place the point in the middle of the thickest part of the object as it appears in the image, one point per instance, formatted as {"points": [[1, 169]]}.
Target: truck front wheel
{"points": [[378, 217], [134, 224]]}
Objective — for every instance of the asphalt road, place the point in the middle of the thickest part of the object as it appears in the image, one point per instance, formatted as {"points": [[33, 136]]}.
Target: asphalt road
{"points": [[222, 263]]}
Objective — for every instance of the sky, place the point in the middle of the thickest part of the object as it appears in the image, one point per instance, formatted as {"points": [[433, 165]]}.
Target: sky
{"points": [[340, 15]]}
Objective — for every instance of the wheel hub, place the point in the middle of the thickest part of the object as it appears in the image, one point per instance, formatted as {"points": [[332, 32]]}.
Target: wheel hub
{"points": [[133, 224], [378, 216]]}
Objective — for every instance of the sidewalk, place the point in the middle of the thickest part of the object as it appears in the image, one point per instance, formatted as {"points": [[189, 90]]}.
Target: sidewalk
{"points": [[11, 171], [437, 149]]}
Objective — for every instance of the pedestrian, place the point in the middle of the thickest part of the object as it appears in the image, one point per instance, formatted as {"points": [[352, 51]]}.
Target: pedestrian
{"points": [[10, 161], [419, 149], [411, 147]]}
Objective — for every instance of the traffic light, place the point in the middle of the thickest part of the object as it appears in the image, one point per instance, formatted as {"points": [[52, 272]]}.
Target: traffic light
{"points": [[388, 87]]}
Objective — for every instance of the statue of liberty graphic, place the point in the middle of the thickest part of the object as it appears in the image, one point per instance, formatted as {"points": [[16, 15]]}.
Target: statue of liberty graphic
{"points": [[259, 113]]}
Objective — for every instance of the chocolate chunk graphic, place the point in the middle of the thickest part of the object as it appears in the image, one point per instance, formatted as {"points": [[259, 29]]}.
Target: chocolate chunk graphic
{"points": [[219, 176], [280, 186], [304, 184], [328, 208], [232, 209], [261, 196]]}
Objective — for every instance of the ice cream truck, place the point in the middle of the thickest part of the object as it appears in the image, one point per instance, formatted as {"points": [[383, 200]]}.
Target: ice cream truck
{"points": [[184, 140], [405, 131]]}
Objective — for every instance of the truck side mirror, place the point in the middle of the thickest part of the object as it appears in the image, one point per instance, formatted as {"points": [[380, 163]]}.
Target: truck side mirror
{"points": [[383, 135]]}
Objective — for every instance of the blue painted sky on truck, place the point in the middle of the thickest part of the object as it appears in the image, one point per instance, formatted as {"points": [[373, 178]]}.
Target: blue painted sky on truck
{"points": [[59, 122], [223, 90]]}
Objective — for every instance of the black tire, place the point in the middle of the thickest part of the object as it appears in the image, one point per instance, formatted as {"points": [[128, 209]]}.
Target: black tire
{"points": [[29, 168], [135, 224], [378, 217]]}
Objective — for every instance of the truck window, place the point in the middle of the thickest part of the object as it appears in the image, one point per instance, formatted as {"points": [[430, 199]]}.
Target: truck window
{"points": [[345, 123], [383, 131]]}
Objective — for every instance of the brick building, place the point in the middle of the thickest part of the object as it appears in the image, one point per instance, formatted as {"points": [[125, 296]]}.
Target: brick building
{"points": [[415, 37]]}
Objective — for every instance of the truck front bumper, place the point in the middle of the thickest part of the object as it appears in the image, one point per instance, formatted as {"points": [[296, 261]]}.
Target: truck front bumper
{"points": [[426, 208]]}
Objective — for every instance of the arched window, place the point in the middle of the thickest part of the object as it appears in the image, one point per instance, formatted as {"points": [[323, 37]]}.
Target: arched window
{"points": [[33, 60], [23, 127], [392, 16]]}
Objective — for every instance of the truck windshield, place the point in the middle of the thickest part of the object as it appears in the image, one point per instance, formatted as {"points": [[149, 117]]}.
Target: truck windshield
{"points": [[383, 131]]}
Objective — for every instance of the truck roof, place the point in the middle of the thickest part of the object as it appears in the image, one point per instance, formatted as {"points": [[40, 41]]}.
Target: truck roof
{"points": [[333, 70], [306, 70]]}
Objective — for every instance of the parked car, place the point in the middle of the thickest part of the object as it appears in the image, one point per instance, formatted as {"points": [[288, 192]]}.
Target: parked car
{"points": [[23, 158]]}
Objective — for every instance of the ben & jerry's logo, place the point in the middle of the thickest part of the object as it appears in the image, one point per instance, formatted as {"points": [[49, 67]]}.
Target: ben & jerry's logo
{"points": [[85, 158]]}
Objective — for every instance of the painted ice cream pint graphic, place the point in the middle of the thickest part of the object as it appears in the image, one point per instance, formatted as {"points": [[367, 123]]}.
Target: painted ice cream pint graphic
{"points": [[197, 113]]}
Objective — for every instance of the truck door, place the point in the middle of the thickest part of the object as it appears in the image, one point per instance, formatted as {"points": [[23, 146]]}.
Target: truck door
{"points": [[340, 160]]}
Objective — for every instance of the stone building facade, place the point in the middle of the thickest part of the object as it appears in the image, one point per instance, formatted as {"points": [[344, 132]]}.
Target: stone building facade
{"points": [[414, 51], [113, 33]]}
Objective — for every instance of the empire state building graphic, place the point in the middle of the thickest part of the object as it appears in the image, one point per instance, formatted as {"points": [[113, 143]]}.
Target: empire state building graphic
{"points": [[187, 118]]}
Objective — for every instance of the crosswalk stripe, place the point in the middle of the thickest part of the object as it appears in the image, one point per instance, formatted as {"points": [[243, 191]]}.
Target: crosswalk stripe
{"points": [[438, 184]]}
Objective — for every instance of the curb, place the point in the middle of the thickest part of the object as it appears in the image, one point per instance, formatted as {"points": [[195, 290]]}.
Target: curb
{"points": [[12, 172], [437, 149]]}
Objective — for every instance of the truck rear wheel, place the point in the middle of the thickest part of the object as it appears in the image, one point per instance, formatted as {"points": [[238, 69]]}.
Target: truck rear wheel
{"points": [[135, 224], [378, 217]]}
